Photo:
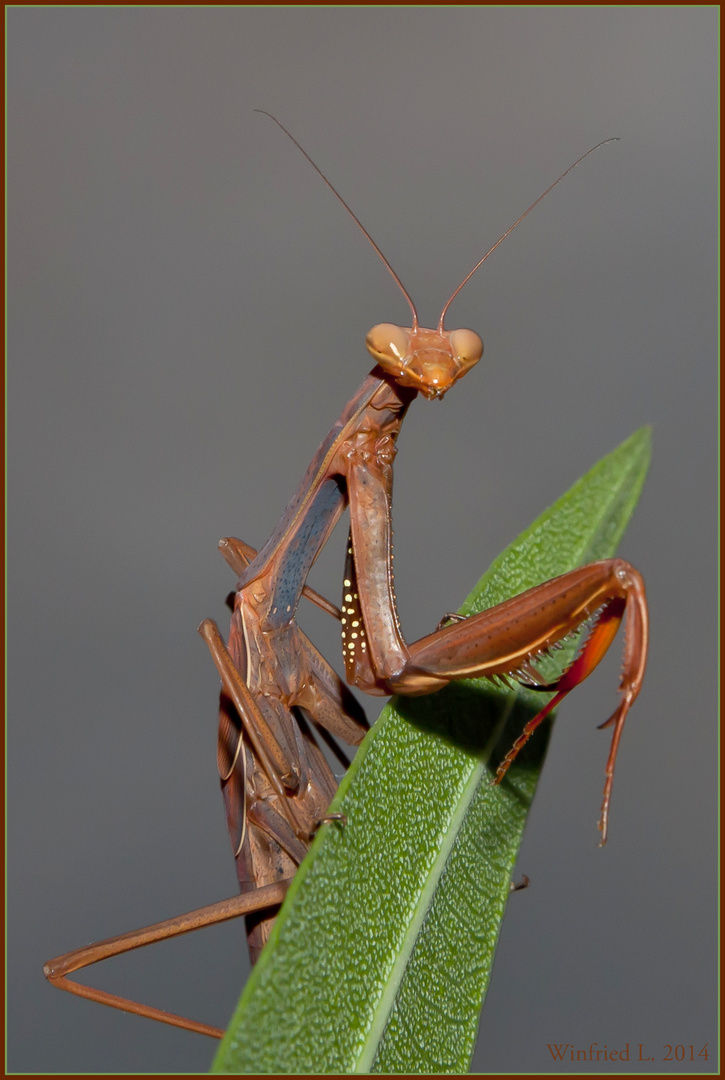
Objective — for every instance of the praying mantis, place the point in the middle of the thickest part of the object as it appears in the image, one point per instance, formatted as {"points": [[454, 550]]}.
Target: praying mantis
{"points": [[277, 689]]}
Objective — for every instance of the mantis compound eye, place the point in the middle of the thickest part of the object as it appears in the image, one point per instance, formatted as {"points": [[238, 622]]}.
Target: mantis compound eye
{"points": [[467, 347], [389, 345]]}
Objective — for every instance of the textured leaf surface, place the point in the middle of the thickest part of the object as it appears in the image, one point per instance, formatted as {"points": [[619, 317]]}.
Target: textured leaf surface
{"points": [[381, 955]]}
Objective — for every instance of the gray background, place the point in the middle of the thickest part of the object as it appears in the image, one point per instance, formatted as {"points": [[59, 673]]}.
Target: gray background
{"points": [[187, 312]]}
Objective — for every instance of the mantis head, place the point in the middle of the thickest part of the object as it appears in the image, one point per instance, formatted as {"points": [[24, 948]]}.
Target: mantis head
{"points": [[429, 361]]}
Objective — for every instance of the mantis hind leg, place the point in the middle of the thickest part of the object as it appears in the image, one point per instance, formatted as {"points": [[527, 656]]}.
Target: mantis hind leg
{"points": [[58, 969]]}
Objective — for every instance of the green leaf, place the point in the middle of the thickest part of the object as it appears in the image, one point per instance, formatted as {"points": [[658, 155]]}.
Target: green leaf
{"points": [[381, 955]]}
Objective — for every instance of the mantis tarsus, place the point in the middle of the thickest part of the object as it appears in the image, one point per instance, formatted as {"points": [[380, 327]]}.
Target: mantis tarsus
{"points": [[276, 782]]}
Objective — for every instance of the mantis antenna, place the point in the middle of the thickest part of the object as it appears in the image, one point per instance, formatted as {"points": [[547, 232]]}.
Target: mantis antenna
{"points": [[480, 262], [385, 260], [352, 214], [518, 221]]}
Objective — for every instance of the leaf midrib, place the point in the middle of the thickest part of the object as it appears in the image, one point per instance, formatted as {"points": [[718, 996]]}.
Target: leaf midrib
{"points": [[460, 806]]}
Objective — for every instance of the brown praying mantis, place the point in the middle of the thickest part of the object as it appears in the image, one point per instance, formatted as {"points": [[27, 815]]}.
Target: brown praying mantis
{"points": [[277, 689]]}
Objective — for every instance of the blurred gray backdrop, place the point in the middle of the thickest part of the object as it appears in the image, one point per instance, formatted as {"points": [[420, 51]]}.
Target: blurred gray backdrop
{"points": [[187, 310]]}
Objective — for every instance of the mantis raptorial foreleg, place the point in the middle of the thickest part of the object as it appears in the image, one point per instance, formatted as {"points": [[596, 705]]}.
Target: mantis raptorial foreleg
{"points": [[509, 639], [504, 641]]}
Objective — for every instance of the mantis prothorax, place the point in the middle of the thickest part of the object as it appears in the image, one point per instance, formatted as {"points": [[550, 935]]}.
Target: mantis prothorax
{"points": [[276, 782]]}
